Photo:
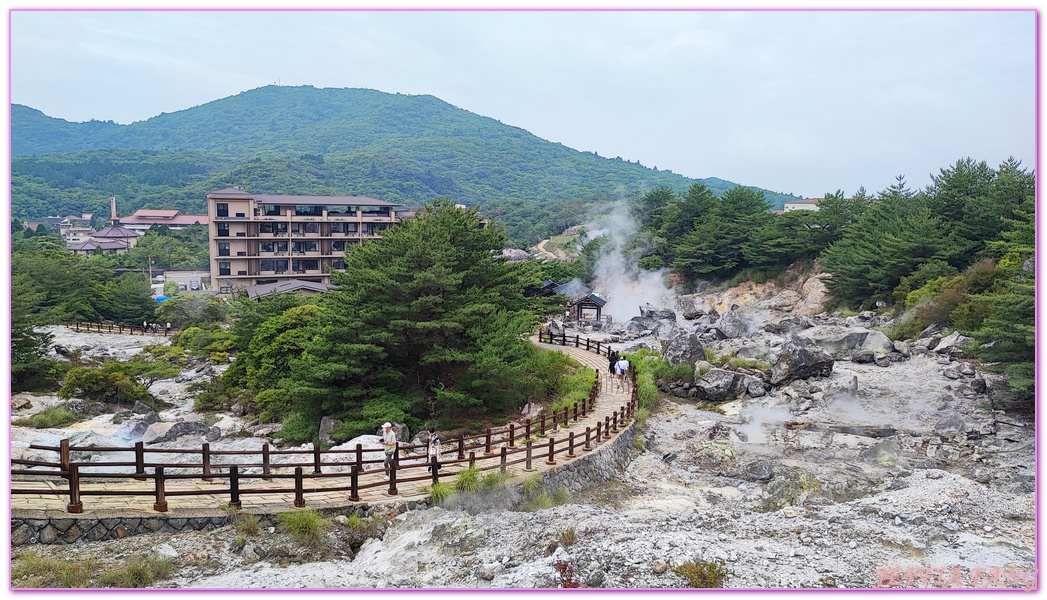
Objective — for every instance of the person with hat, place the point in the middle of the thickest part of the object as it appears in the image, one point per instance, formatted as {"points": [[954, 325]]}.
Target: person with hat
{"points": [[389, 441]]}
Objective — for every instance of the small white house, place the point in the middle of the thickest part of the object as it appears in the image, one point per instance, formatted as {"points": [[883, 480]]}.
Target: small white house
{"points": [[806, 204]]}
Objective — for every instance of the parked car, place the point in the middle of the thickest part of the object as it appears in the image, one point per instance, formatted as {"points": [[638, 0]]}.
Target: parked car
{"points": [[181, 286], [194, 284], [158, 278]]}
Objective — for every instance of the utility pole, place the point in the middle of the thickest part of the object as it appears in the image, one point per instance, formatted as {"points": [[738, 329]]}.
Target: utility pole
{"points": [[150, 267]]}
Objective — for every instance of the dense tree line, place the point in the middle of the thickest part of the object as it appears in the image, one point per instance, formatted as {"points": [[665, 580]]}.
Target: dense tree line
{"points": [[954, 253]]}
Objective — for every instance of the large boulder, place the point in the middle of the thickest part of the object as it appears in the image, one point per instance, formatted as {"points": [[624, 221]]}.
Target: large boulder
{"points": [[650, 312], [665, 330], [732, 325], [837, 341], [720, 385], [165, 432], [800, 362], [953, 340], [877, 342], [684, 349], [327, 425]]}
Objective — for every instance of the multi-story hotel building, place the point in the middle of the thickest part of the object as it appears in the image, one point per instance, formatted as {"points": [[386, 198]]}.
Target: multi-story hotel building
{"points": [[259, 239]]}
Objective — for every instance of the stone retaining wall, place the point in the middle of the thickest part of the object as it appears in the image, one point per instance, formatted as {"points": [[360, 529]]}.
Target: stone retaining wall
{"points": [[604, 462]]}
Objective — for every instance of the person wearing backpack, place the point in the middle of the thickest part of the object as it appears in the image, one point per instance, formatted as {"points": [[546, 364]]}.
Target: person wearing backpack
{"points": [[433, 450], [620, 369]]}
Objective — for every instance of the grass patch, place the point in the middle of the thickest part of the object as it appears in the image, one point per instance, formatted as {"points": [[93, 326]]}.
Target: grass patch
{"points": [[248, 524], [49, 418], [439, 492], [307, 527], [703, 573], [567, 537], [532, 483], [140, 571], [30, 570]]}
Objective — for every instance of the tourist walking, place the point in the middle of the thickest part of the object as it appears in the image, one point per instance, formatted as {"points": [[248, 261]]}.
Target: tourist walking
{"points": [[433, 450], [620, 369], [389, 441], [612, 358]]}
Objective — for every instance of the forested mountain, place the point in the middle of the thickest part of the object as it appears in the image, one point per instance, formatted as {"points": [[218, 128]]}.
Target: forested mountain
{"points": [[304, 140]]}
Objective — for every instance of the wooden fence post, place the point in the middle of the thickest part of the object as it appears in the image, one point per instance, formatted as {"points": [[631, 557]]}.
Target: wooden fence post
{"points": [[140, 461], [527, 429], [587, 431], [205, 460], [512, 435], [75, 504], [265, 463], [487, 442], [607, 428], [461, 446], [299, 494], [63, 453], [528, 463], [392, 476], [360, 457], [234, 487], [354, 483], [161, 503], [472, 460], [541, 429], [316, 458], [502, 466], [552, 454], [614, 422], [570, 444]]}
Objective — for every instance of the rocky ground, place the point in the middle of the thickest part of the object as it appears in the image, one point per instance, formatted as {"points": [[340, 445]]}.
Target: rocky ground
{"points": [[824, 480]]}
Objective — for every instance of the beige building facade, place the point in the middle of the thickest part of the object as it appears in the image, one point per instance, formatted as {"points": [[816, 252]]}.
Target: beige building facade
{"points": [[258, 239]]}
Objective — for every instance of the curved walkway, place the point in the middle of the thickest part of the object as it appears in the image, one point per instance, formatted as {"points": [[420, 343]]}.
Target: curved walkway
{"points": [[608, 400]]}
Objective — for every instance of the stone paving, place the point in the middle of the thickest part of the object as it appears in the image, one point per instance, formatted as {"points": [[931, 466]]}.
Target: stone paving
{"points": [[373, 489]]}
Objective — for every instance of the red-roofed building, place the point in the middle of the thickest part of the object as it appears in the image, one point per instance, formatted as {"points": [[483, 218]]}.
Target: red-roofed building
{"points": [[144, 218]]}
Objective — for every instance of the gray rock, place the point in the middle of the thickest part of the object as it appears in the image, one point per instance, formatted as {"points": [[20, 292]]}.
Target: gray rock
{"points": [[863, 356], [759, 471], [799, 362], [140, 408], [950, 422], [756, 389], [877, 342], [951, 341], [20, 403], [732, 325], [684, 349], [165, 432], [327, 425], [719, 385], [978, 384], [837, 341], [650, 312]]}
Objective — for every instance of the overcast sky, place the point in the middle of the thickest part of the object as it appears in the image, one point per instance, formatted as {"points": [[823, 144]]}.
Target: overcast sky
{"points": [[800, 102]]}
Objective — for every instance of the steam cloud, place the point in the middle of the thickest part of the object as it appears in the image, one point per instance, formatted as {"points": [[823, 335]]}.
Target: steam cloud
{"points": [[619, 280]]}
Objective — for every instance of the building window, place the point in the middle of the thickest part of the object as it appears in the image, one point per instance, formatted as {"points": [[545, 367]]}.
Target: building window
{"points": [[338, 246], [264, 281], [312, 227], [271, 210], [309, 211], [340, 210], [266, 247], [337, 227], [281, 246], [223, 268], [223, 248], [337, 264], [311, 264], [375, 211], [223, 229], [272, 228], [312, 246], [222, 209]]}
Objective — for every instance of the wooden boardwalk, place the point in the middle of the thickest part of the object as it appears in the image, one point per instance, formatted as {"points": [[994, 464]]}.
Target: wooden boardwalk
{"points": [[214, 494]]}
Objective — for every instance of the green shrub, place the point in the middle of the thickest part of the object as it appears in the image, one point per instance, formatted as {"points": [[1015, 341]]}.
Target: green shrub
{"points": [[307, 527], [298, 428], [30, 570], [538, 502], [138, 572], [48, 418], [642, 415], [467, 480], [440, 492], [494, 479], [110, 383], [703, 574], [561, 496], [532, 484]]}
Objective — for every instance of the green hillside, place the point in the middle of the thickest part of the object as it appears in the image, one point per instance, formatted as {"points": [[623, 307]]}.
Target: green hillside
{"points": [[295, 140]]}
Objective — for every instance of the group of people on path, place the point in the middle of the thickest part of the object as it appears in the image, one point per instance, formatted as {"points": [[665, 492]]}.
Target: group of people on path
{"points": [[432, 451], [617, 366]]}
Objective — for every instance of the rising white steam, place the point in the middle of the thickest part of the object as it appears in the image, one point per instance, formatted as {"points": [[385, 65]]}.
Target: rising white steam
{"points": [[619, 280]]}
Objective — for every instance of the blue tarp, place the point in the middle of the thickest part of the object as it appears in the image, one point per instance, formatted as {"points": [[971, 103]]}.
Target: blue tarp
{"points": [[162, 298]]}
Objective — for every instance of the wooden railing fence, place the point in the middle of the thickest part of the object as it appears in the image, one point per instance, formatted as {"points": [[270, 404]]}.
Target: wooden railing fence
{"points": [[81, 326], [514, 447]]}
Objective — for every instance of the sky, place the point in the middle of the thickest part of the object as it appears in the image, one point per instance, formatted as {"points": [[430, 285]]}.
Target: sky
{"points": [[801, 102]]}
